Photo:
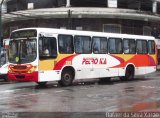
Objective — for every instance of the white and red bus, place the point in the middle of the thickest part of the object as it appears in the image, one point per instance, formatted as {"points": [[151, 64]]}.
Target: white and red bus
{"points": [[45, 54]]}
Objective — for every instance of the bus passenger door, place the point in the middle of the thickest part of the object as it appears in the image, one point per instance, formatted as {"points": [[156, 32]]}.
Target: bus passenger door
{"points": [[47, 56]]}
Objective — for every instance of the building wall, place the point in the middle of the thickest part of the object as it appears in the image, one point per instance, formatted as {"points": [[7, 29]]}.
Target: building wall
{"points": [[93, 23], [143, 5]]}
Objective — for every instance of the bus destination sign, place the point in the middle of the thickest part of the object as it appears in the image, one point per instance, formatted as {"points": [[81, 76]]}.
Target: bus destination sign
{"points": [[24, 34]]}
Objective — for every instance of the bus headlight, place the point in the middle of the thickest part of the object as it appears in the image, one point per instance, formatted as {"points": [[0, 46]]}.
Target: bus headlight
{"points": [[32, 69], [9, 70]]}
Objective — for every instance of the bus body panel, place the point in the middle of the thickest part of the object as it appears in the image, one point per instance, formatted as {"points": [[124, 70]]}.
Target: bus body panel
{"points": [[150, 69], [48, 75], [95, 65], [24, 77]]}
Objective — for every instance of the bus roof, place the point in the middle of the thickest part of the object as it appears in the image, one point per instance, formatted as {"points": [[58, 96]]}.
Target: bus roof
{"points": [[86, 33]]}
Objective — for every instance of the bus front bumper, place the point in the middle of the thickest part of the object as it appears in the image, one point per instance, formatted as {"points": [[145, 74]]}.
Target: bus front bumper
{"points": [[23, 77]]}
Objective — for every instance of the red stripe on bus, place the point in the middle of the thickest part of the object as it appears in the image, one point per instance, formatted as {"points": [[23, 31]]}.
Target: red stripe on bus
{"points": [[138, 61], [151, 61], [118, 58], [62, 62]]}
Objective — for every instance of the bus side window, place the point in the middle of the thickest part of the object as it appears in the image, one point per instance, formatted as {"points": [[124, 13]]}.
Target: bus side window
{"points": [[82, 44], [126, 46], [65, 43], [47, 47], [103, 44], [132, 46], [144, 47], [141, 46], [111, 45], [99, 45], [151, 47], [119, 46], [115, 45], [78, 45], [129, 46]]}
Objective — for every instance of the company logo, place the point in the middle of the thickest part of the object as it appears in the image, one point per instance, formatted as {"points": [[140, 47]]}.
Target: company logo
{"points": [[94, 60]]}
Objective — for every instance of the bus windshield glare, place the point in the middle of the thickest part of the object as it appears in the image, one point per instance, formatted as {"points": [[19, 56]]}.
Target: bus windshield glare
{"points": [[22, 51]]}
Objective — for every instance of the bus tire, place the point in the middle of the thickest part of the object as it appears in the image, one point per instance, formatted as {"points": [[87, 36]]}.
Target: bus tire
{"points": [[66, 78], [129, 75]]}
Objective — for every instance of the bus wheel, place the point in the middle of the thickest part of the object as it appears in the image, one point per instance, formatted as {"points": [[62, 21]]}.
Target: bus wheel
{"points": [[42, 83], [129, 74], [66, 78]]}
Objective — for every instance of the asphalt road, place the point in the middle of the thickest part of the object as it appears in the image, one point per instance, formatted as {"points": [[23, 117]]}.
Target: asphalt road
{"points": [[139, 95]]}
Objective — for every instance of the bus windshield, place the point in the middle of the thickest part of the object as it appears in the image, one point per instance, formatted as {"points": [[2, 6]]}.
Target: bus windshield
{"points": [[22, 51]]}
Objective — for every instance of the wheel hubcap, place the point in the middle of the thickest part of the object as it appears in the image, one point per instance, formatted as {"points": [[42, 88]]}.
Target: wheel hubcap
{"points": [[66, 77]]}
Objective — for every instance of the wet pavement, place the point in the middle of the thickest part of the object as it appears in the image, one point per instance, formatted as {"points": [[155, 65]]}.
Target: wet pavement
{"points": [[141, 94]]}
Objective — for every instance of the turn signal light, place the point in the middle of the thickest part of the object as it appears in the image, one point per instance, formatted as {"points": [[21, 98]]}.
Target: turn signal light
{"points": [[32, 69]]}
